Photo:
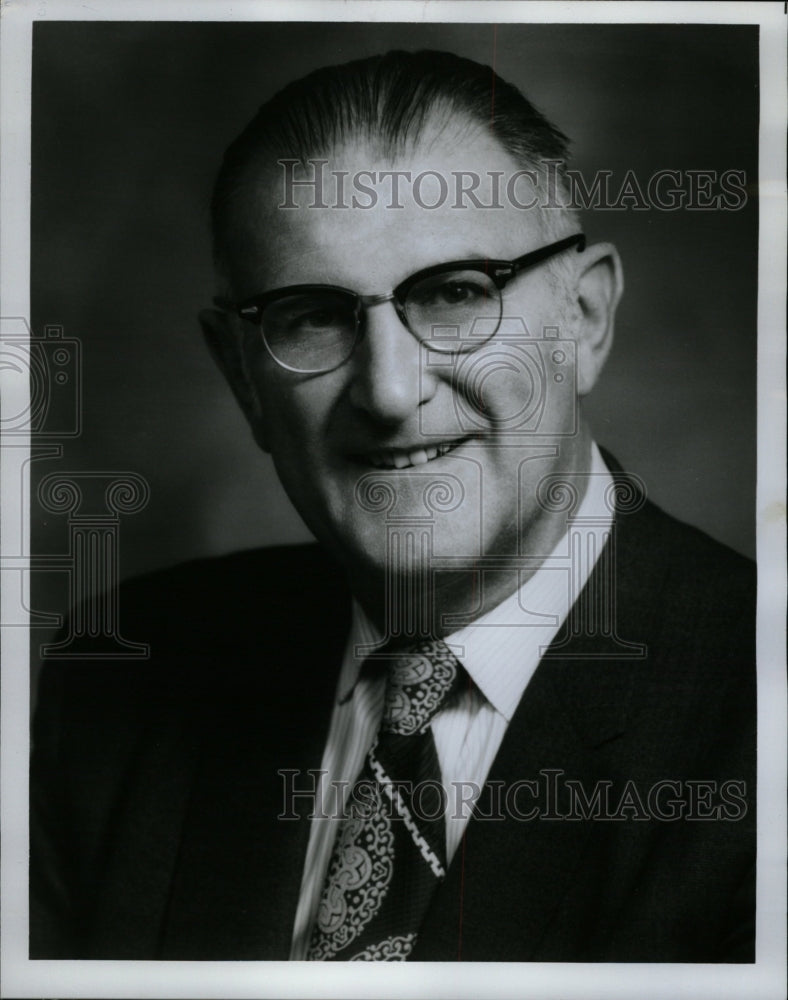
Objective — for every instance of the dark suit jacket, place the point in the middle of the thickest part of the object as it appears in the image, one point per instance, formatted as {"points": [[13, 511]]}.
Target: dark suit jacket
{"points": [[155, 791]]}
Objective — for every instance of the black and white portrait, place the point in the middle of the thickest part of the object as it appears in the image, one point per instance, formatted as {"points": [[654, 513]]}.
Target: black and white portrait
{"points": [[393, 467]]}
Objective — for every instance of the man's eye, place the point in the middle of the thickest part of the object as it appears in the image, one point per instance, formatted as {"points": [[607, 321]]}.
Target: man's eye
{"points": [[459, 291], [318, 318], [450, 292]]}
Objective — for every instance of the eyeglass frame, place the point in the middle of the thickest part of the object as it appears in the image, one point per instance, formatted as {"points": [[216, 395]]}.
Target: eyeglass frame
{"points": [[500, 271]]}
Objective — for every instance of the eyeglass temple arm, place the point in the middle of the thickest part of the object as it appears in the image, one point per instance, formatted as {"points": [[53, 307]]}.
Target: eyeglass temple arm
{"points": [[543, 253]]}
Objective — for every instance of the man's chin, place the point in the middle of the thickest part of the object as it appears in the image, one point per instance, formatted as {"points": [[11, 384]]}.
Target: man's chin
{"points": [[404, 547]]}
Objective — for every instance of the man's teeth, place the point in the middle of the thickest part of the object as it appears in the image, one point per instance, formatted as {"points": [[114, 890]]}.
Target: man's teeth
{"points": [[405, 459]]}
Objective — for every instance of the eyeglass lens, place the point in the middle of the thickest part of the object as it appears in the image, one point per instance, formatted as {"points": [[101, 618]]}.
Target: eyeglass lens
{"points": [[316, 330], [311, 331]]}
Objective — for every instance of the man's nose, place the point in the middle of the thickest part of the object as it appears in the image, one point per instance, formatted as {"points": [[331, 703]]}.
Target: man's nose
{"points": [[388, 381]]}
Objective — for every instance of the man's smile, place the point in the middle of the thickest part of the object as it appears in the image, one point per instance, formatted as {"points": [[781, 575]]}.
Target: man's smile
{"points": [[406, 457]]}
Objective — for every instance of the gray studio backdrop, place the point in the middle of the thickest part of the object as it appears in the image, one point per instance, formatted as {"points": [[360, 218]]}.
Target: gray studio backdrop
{"points": [[129, 123]]}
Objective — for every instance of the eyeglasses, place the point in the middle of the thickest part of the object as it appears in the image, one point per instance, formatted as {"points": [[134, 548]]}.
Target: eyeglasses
{"points": [[454, 308]]}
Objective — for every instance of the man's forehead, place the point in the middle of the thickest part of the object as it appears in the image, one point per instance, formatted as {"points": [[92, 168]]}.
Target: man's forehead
{"points": [[391, 213], [438, 140], [413, 171]]}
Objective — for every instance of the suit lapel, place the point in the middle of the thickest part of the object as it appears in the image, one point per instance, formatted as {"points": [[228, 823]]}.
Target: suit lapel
{"points": [[509, 876]]}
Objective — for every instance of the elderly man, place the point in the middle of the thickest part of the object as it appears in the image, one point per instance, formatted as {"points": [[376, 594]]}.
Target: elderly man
{"points": [[505, 710]]}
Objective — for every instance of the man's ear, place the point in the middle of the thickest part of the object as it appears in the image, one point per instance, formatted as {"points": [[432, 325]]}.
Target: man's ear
{"points": [[599, 286], [225, 342]]}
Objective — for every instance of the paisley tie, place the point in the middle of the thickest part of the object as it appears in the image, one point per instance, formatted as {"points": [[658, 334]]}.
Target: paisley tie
{"points": [[390, 851]]}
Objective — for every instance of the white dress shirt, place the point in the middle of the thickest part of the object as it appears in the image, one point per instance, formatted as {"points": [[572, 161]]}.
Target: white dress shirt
{"points": [[500, 651]]}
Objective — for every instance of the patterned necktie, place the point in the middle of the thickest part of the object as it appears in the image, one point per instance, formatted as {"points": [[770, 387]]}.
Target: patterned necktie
{"points": [[390, 851]]}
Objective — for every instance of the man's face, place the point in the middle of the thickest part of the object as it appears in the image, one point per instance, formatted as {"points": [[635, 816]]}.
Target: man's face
{"points": [[398, 434]]}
